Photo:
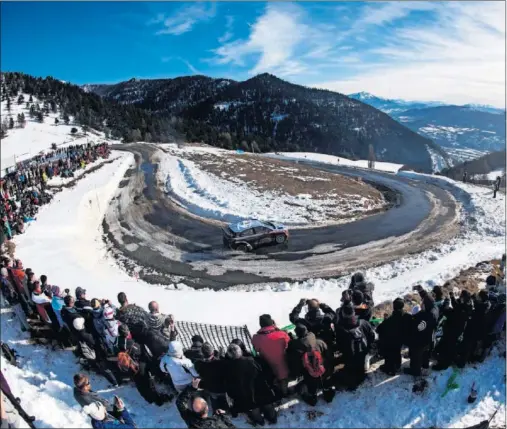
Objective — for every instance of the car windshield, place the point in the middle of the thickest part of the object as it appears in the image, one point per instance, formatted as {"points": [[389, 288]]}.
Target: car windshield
{"points": [[270, 224]]}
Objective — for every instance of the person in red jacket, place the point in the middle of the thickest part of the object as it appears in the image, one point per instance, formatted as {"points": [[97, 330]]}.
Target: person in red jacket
{"points": [[271, 343]]}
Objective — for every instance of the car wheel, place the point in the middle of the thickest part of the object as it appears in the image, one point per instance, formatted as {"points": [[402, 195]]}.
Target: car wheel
{"points": [[242, 248], [280, 239]]}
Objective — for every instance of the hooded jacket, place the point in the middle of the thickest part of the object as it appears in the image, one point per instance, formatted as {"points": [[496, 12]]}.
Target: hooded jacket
{"points": [[298, 347], [180, 368], [156, 320], [271, 343]]}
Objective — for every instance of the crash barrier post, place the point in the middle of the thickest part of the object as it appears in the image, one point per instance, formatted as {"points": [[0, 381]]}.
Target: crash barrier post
{"points": [[217, 335]]}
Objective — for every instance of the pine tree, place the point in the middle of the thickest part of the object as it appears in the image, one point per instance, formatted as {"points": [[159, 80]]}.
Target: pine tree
{"points": [[66, 119], [73, 130], [85, 129], [56, 121], [21, 99], [11, 123], [40, 117], [30, 99], [8, 104], [32, 111], [27, 105]]}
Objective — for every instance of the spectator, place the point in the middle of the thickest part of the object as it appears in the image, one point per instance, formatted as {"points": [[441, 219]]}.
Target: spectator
{"points": [[155, 318], [180, 368], [82, 304], [393, 333], [318, 319], [271, 344], [211, 372], [57, 303], [131, 315], [300, 352], [111, 327], [169, 330], [102, 420], [194, 410], [354, 338], [69, 313], [247, 387], [84, 395], [420, 337]]}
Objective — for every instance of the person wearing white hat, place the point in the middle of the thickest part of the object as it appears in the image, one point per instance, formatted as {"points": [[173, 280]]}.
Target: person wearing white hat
{"points": [[102, 420]]}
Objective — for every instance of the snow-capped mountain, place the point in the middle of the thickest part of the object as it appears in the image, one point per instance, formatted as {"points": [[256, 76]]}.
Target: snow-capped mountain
{"points": [[476, 127], [278, 115]]}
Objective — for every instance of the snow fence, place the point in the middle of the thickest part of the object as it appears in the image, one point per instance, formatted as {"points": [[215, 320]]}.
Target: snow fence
{"points": [[217, 335]]}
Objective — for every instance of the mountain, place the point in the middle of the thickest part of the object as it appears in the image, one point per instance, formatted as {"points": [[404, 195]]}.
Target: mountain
{"points": [[389, 106], [481, 167], [87, 109], [458, 127], [454, 128], [277, 115]]}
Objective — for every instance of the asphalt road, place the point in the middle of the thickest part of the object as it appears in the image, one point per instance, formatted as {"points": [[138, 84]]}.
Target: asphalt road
{"points": [[149, 228]]}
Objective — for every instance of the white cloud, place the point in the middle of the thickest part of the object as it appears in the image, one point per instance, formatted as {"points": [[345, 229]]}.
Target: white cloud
{"points": [[184, 19], [228, 35], [281, 41], [460, 58]]}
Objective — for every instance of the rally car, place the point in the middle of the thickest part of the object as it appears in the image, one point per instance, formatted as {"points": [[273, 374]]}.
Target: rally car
{"points": [[252, 234]]}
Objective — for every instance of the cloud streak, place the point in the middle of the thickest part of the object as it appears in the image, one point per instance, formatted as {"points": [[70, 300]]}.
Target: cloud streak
{"points": [[184, 19]]}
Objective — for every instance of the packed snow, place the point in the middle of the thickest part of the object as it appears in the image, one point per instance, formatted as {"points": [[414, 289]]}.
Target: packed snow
{"points": [[233, 200], [36, 137], [336, 160], [492, 175]]}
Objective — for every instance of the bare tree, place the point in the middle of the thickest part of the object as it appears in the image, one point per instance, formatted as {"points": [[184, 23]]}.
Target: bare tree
{"points": [[255, 147], [244, 146], [371, 156]]}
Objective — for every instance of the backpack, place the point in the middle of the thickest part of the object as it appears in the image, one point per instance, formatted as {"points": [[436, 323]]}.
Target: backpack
{"points": [[126, 363], [313, 363], [87, 352], [359, 343]]}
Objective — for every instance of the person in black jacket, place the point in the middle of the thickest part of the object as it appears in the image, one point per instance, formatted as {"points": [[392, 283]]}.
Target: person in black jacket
{"points": [[211, 370], [354, 338], [318, 319], [194, 410], [358, 282], [136, 318], [246, 386], [457, 318], [140, 370], [392, 334], [420, 336], [69, 313], [476, 329]]}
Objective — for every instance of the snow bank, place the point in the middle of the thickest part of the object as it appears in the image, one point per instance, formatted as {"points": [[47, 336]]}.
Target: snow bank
{"points": [[233, 200], [331, 159]]}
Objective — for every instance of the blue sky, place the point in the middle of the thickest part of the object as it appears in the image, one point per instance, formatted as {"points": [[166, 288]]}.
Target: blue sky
{"points": [[449, 51]]}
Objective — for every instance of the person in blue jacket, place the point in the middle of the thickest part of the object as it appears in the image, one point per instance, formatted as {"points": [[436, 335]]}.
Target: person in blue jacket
{"points": [[102, 420]]}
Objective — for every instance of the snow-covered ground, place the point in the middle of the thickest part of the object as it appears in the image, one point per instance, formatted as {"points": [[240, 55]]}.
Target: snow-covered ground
{"points": [[35, 137], [331, 159], [232, 199], [492, 175], [65, 243], [437, 161], [459, 155]]}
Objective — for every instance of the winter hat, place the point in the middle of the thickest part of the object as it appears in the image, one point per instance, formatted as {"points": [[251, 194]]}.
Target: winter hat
{"points": [[346, 298], [80, 291], [108, 313], [96, 411], [491, 281], [175, 349], [265, 320], [357, 278], [301, 330], [416, 309], [438, 292], [78, 323], [197, 339], [4, 272], [357, 297], [207, 350], [348, 312], [55, 290], [398, 304]]}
